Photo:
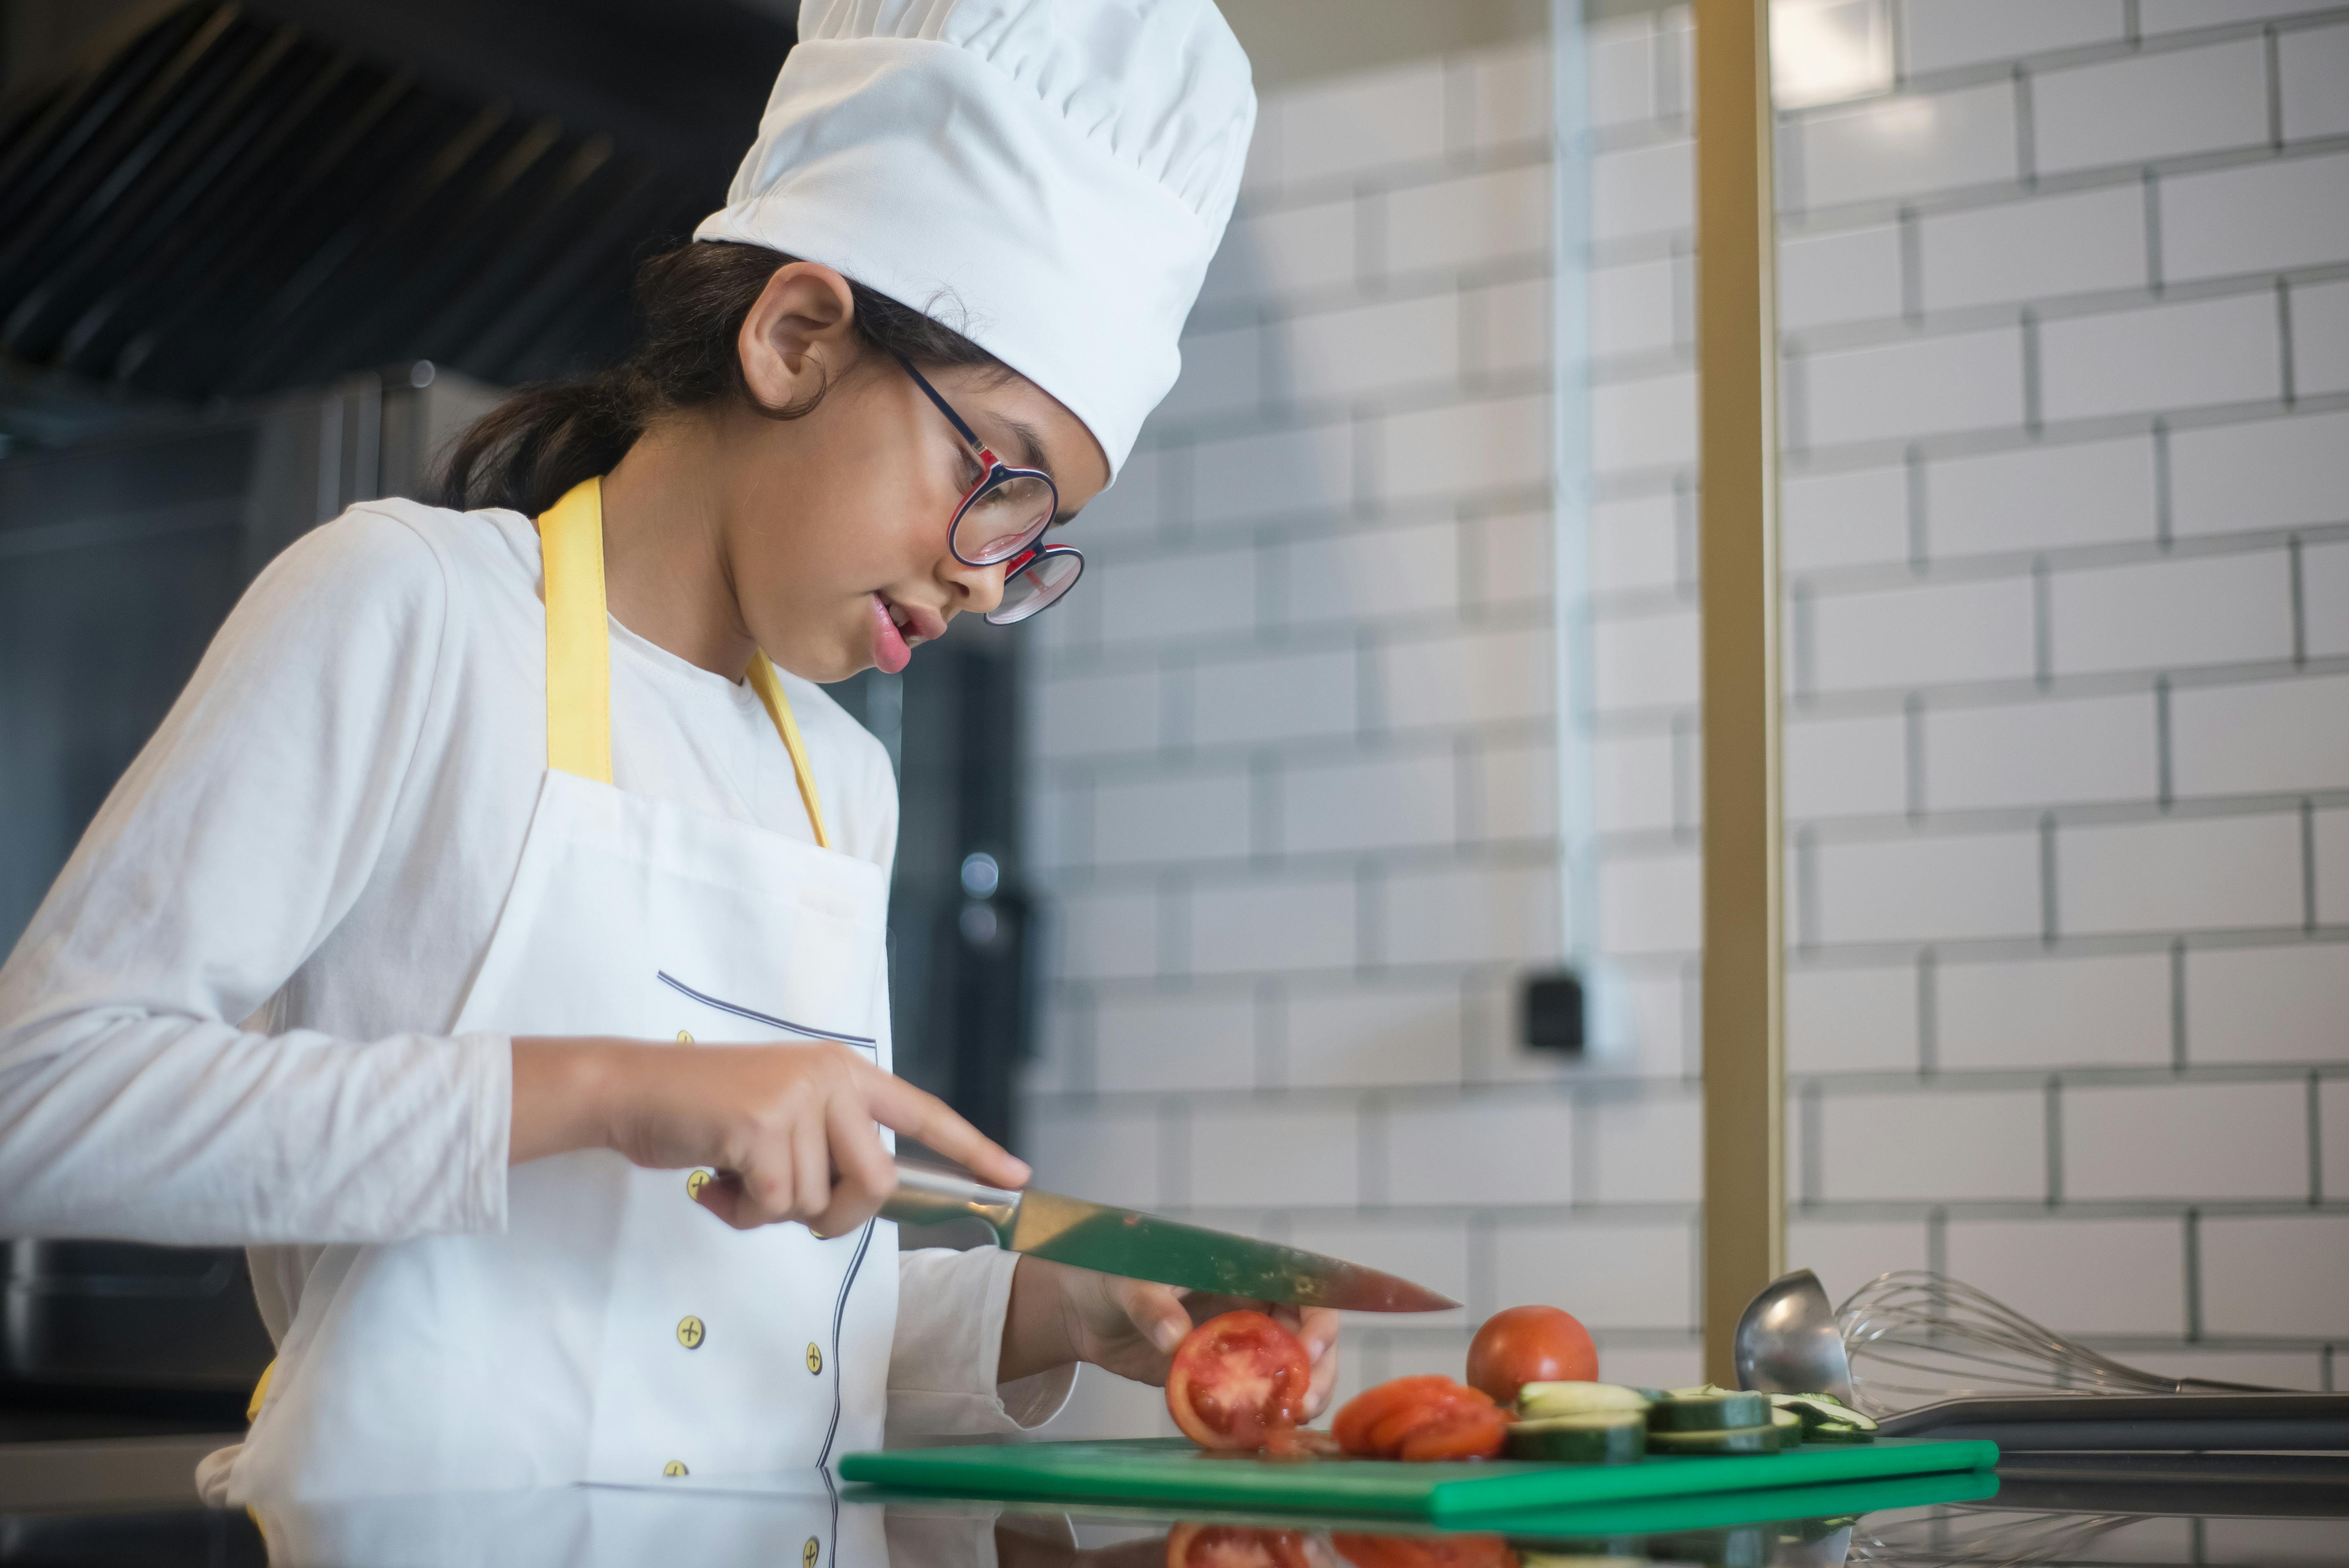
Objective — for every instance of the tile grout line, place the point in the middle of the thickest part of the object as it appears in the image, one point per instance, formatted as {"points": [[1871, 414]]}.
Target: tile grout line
{"points": [[2315, 1140]]}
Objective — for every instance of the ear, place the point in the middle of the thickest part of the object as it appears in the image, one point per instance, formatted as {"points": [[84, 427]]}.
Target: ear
{"points": [[800, 334]]}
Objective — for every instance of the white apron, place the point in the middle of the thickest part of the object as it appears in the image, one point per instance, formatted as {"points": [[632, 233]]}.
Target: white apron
{"points": [[615, 1331], [796, 1522]]}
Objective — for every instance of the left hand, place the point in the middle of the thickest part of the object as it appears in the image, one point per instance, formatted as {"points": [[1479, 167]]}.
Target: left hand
{"points": [[1132, 1327]]}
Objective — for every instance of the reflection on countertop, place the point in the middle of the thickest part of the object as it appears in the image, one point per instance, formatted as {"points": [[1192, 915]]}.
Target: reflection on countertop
{"points": [[2076, 1509]]}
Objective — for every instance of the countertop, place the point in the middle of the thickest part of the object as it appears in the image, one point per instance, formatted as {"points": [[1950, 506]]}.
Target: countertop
{"points": [[2060, 1508]]}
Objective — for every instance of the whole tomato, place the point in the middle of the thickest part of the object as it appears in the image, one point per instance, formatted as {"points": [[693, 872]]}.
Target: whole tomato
{"points": [[1530, 1345]]}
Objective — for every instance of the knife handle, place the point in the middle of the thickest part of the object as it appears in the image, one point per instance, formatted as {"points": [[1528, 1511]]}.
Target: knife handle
{"points": [[926, 1195]]}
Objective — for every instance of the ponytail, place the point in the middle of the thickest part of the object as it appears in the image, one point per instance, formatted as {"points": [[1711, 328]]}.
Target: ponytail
{"points": [[529, 451]]}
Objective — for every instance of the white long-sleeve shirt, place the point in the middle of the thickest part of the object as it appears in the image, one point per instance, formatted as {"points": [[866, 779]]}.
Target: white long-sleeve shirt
{"points": [[228, 1022]]}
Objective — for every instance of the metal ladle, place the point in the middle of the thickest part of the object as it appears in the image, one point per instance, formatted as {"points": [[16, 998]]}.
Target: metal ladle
{"points": [[1788, 1341]]}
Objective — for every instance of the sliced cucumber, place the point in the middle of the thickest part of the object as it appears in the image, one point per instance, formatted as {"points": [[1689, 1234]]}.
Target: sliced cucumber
{"points": [[1540, 1401], [1695, 1410], [1837, 1433], [1602, 1437], [1818, 1408], [1761, 1440], [1788, 1425]]}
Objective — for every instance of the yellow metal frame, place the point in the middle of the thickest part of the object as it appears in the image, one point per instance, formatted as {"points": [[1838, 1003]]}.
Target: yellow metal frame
{"points": [[1737, 423]]}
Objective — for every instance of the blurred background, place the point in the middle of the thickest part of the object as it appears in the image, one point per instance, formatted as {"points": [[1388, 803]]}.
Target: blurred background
{"points": [[1223, 888]]}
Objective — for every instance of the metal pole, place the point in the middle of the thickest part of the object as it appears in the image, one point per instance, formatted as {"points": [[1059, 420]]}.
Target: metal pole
{"points": [[1737, 424], [1570, 465]]}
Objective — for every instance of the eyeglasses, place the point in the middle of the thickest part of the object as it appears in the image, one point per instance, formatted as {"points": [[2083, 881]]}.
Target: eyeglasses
{"points": [[1000, 521]]}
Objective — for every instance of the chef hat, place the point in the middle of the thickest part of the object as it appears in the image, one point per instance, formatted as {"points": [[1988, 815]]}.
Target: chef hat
{"points": [[1047, 177]]}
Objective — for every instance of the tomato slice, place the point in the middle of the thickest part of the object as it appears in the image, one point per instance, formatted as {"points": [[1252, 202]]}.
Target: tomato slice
{"points": [[1424, 1551], [1422, 1418], [1236, 1546], [1459, 1433], [1372, 1406], [1237, 1379], [1392, 1435]]}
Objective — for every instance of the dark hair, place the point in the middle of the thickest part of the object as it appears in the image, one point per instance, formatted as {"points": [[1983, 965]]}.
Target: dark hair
{"points": [[549, 436]]}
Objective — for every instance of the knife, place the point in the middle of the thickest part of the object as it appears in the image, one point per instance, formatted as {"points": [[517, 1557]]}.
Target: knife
{"points": [[1144, 1246]]}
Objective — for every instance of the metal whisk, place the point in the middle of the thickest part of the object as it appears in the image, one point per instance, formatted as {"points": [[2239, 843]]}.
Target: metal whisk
{"points": [[1915, 1337]]}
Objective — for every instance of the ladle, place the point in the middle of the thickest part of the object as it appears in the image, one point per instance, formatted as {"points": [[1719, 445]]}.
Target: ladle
{"points": [[1788, 1341]]}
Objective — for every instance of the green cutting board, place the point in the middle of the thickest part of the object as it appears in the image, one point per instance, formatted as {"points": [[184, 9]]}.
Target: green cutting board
{"points": [[1636, 1516], [1170, 1470]]}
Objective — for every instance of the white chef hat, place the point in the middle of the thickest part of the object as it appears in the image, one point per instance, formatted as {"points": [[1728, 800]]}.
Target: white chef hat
{"points": [[1047, 177]]}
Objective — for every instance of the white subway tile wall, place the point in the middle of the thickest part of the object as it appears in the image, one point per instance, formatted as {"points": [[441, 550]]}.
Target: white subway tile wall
{"points": [[2068, 1011], [2067, 536]]}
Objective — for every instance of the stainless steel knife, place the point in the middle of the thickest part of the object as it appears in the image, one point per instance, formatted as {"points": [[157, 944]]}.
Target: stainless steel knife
{"points": [[1144, 1246]]}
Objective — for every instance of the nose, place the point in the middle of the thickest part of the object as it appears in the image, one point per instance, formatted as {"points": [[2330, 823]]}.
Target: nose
{"points": [[976, 588]]}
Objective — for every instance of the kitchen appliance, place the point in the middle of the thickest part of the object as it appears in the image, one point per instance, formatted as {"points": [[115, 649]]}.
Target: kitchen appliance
{"points": [[1144, 1246]]}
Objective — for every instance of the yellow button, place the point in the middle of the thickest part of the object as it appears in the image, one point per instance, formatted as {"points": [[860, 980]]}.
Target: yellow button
{"points": [[689, 1333], [684, 1037], [810, 1553], [816, 1358], [696, 1182], [674, 1467]]}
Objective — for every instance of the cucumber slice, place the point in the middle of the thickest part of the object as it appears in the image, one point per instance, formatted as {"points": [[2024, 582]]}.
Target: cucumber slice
{"points": [[1689, 1411], [1603, 1437], [1837, 1433], [1761, 1440], [1788, 1425], [1540, 1401], [1816, 1408]]}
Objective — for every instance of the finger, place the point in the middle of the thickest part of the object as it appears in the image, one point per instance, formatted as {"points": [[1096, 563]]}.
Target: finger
{"points": [[1324, 1381], [1318, 1331], [729, 1197], [865, 1175], [1203, 1306], [1158, 1311], [929, 1121], [811, 1172], [1317, 1327], [721, 1195]]}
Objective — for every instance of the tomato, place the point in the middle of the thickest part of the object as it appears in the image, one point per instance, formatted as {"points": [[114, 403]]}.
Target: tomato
{"points": [[1237, 1379], [1530, 1345], [1422, 1418], [1300, 1443], [1461, 1432], [1367, 1408], [1424, 1551], [1236, 1546]]}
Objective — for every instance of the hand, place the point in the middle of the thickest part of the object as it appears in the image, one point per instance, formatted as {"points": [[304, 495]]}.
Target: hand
{"points": [[1131, 1326], [790, 1129]]}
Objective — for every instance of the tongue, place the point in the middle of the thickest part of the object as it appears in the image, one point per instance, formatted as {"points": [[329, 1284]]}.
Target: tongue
{"points": [[889, 649]]}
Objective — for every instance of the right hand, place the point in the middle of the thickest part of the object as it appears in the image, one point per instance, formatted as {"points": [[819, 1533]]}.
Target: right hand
{"points": [[791, 1129]]}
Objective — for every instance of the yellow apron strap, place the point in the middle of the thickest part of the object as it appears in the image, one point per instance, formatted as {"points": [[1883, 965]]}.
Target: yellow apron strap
{"points": [[769, 687], [259, 1392], [579, 654], [578, 642]]}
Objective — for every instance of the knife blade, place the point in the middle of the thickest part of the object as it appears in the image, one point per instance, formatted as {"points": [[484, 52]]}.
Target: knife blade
{"points": [[1137, 1245]]}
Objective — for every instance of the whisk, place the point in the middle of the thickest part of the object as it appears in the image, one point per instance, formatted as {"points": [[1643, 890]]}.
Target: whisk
{"points": [[1914, 1337]]}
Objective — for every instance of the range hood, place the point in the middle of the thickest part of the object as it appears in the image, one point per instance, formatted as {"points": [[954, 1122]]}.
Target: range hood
{"points": [[224, 200]]}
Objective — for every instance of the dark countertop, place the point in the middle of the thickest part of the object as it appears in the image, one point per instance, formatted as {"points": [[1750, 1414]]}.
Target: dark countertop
{"points": [[2057, 1509]]}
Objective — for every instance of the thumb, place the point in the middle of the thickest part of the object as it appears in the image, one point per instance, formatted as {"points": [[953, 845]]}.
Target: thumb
{"points": [[1157, 1310]]}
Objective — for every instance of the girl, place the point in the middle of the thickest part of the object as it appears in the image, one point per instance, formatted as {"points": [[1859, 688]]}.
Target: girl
{"points": [[491, 938]]}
